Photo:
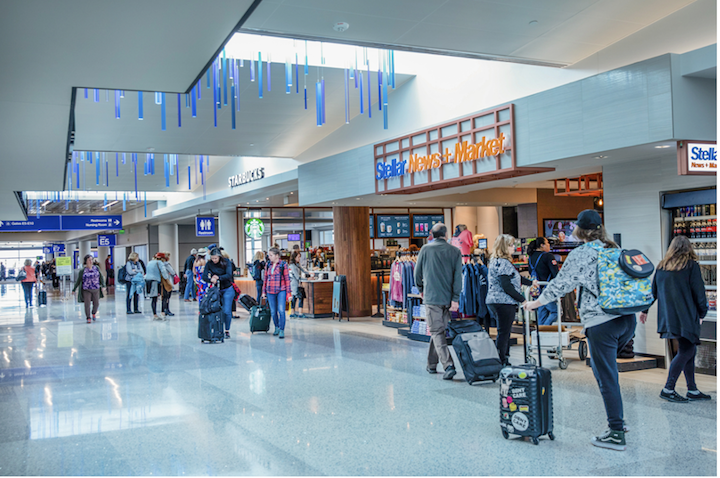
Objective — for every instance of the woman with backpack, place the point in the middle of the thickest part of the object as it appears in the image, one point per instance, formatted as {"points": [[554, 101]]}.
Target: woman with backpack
{"points": [[275, 288], [256, 271], [682, 305], [218, 272], [91, 282], [606, 333], [543, 267]]}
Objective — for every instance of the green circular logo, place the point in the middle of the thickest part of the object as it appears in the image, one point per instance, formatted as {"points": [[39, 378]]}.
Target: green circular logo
{"points": [[254, 228]]}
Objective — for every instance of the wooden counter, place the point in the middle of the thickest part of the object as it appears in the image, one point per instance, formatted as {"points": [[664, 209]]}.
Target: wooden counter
{"points": [[318, 303], [246, 286]]}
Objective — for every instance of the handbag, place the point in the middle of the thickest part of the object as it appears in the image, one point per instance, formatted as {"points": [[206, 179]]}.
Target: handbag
{"points": [[301, 292], [22, 275], [176, 279], [165, 283]]}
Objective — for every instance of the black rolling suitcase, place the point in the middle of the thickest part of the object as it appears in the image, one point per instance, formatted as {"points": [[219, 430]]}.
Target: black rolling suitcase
{"points": [[475, 350], [526, 407], [260, 319], [247, 301], [211, 327], [42, 298]]}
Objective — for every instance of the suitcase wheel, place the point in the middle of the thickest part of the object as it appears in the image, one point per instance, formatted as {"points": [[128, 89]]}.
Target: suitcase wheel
{"points": [[506, 435], [563, 364], [551, 436], [582, 350], [535, 441]]}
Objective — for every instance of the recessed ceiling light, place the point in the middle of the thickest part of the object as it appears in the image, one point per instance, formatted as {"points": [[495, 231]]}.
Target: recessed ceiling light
{"points": [[533, 23], [662, 146], [600, 156], [341, 26], [252, 144], [267, 199]]}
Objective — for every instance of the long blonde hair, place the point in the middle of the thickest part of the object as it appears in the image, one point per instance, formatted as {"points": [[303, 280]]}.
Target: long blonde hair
{"points": [[502, 248], [678, 255]]}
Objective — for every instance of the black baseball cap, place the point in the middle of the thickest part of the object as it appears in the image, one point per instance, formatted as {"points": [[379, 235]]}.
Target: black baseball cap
{"points": [[589, 219]]}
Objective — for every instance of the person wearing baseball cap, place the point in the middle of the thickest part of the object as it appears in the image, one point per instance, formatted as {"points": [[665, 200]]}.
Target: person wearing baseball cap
{"points": [[606, 333]]}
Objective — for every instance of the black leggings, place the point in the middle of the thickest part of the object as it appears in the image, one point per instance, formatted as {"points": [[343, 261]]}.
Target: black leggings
{"points": [[165, 300], [505, 315], [684, 361]]}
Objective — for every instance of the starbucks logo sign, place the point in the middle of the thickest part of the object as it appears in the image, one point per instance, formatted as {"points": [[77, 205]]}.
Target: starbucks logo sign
{"points": [[254, 228]]}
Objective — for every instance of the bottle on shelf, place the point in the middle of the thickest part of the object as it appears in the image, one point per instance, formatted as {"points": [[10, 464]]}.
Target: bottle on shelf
{"points": [[712, 209]]}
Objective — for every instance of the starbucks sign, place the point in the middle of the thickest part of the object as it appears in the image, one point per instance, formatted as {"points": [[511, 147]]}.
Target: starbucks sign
{"points": [[254, 228]]}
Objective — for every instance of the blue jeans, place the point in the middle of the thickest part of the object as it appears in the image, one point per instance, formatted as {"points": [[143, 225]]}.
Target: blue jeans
{"points": [[277, 308], [189, 286], [258, 288], [547, 314], [227, 296], [604, 342]]}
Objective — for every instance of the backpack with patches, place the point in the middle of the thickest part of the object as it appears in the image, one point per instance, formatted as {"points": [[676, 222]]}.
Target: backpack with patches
{"points": [[624, 280]]}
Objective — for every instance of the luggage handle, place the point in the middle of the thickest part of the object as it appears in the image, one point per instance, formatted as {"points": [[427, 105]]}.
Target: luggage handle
{"points": [[526, 328]]}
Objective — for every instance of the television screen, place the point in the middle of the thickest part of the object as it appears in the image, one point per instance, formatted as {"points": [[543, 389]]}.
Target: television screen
{"points": [[293, 237], [560, 228], [482, 243]]}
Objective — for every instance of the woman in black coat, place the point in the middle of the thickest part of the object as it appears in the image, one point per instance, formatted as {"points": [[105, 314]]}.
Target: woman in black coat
{"points": [[680, 292]]}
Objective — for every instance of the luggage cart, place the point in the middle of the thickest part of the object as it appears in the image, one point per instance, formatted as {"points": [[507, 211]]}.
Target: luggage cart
{"points": [[554, 351]]}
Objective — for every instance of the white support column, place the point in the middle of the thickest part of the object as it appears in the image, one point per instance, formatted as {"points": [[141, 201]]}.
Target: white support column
{"points": [[84, 249], [228, 234], [103, 252], [168, 242]]}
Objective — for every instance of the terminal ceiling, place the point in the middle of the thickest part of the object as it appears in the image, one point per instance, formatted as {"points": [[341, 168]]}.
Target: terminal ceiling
{"points": [[48, 47]]}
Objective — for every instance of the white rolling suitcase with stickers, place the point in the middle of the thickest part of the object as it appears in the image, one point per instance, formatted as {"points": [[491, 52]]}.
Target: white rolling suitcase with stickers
{"points": [[526, 407]]}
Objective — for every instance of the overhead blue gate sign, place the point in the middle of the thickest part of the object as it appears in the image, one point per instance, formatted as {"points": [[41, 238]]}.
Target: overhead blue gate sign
{"points": [[204, 226], [106, 240], [63, 223]]}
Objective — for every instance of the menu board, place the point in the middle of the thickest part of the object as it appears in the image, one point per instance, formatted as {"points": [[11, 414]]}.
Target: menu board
{"points": [[393, 226], [372, 226], [423, 223]]}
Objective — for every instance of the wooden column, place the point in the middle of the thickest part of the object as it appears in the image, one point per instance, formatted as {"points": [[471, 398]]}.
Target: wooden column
{"points": [[352, 256]]}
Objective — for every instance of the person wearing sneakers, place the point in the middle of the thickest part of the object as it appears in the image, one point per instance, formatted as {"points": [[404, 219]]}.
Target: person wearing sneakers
{"points": [[438, 276], [218, 272], [606, 334], [155, 271], [275, 288], [682, 305], [91, 283]]}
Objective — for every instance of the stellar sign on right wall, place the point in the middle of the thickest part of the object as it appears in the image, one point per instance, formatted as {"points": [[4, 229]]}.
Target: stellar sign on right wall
{"points": [[697, 158]]}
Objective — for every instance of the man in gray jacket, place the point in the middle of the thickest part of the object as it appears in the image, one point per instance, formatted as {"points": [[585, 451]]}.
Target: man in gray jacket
{"points": [[438, 275]]}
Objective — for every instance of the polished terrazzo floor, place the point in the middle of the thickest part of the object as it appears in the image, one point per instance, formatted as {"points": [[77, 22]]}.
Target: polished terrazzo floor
{"points": [[129, 396]]}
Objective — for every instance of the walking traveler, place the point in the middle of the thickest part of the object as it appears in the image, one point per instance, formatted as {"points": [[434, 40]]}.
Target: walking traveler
{"points": [[257, 271], [296, 272], [606, 333], [156, 272], [190, 283], [543, 267], [504, 291], [91, 283], [438, 276], [28, 282], [218, 272], [275, 288], [135, 284], [682, 305], [198, 268]]}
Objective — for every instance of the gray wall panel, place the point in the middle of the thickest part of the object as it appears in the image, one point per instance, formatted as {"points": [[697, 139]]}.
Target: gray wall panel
{"points": [[340, 176]]}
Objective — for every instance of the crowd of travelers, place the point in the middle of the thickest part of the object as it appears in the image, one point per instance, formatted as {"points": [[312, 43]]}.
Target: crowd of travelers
{"points": [[677, 287]]}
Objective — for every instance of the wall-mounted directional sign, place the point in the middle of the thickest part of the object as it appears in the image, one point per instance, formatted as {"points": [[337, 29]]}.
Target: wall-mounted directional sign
{"points": [[204, 226]]}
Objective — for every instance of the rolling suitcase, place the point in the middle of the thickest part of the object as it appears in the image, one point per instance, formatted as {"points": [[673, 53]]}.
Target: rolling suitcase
{"points": [[526, 407], [247, 301], [42, 298], [478, 356], [260, 319], [211, 327]]}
